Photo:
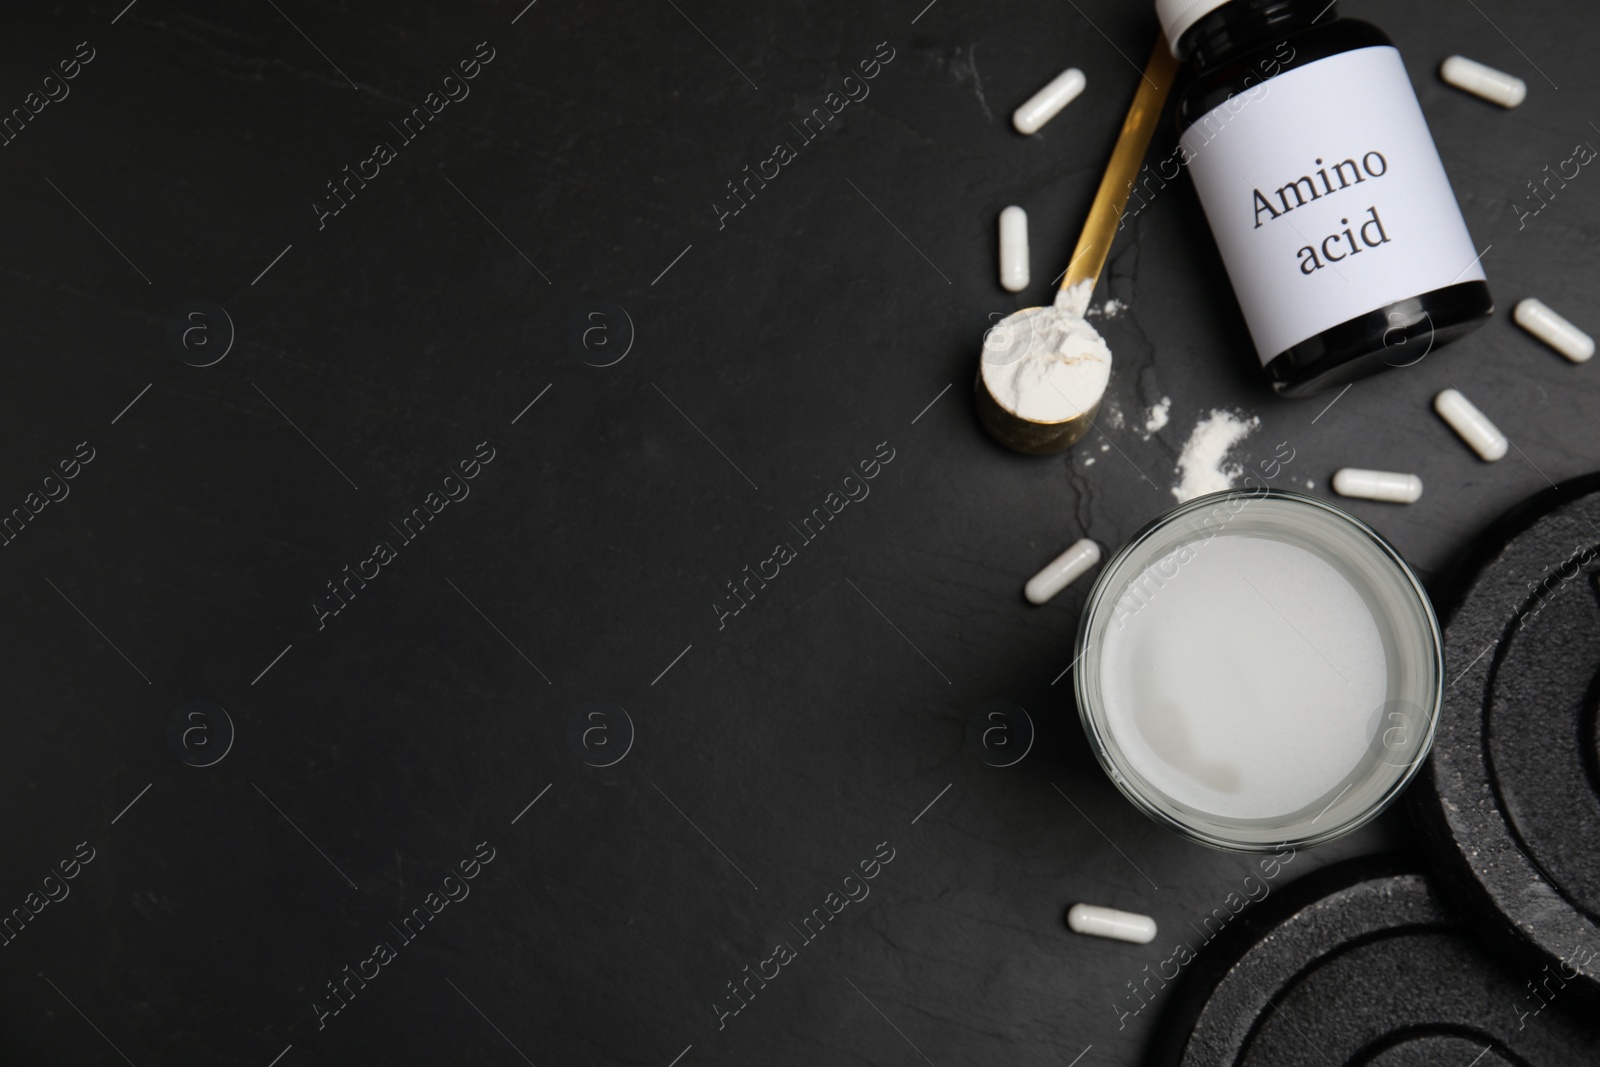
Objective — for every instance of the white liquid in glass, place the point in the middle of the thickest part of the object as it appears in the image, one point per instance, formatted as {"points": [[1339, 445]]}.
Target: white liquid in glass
{"points": [[1242, 677]]}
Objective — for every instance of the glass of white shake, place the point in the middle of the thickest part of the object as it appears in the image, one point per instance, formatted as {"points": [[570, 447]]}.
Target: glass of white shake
{"points": [[1258, 668]]}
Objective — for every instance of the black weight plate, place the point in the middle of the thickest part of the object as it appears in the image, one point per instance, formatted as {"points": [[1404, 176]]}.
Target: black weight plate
{"points": [[1509, 807], [1360, 964]]}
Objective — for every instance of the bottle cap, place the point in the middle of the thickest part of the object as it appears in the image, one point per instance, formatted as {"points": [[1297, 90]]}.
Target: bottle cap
{"points": [[1178, 15]]}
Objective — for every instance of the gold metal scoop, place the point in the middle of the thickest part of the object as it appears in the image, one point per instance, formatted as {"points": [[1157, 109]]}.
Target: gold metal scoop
{"points": [[1088, 260]]}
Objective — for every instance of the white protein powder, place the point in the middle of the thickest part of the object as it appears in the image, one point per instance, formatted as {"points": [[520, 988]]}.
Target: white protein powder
{"points": [[1157, 416], [1048, 364], [1243, 677], [1203, 466]]}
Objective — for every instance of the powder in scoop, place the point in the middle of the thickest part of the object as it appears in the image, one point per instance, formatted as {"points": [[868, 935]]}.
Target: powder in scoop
{"points": [[1203, 466], [1048, 364]]}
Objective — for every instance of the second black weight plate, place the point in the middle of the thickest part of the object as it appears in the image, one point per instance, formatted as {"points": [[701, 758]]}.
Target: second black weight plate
{"points": [[1509, 806], [1361, 965]]}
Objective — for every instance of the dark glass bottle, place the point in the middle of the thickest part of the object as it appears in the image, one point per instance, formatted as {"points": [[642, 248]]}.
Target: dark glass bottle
{"points": [[1291, 106]]}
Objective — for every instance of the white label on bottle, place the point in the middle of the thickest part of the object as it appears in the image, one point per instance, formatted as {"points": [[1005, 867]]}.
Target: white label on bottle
{"points": [[1326, 197]]}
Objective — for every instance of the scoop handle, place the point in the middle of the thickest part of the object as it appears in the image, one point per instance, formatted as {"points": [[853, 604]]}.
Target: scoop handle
{"points": [[1094, 244]]}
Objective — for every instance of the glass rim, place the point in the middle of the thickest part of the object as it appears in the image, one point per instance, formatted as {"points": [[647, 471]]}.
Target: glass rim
{"points": [[1106, 753]]}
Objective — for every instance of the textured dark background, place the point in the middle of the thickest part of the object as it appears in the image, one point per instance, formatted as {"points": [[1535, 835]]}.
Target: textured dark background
{"points": [[819, 322]]}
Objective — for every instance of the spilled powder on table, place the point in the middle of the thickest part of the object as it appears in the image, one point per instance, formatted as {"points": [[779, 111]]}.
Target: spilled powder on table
{"points": [[1157, 416], [1203, 465]]}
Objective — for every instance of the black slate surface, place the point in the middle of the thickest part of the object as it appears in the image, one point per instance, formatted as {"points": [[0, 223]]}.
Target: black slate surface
{"points": [[772, 352]]}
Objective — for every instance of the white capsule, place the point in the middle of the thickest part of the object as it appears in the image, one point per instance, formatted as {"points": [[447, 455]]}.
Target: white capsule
{"points": [[1495, 86], [1014, 249], [1062, 571], [1378, 485], [1554, 330], [1096, 921], [1045, 104], [1473, 425]]}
